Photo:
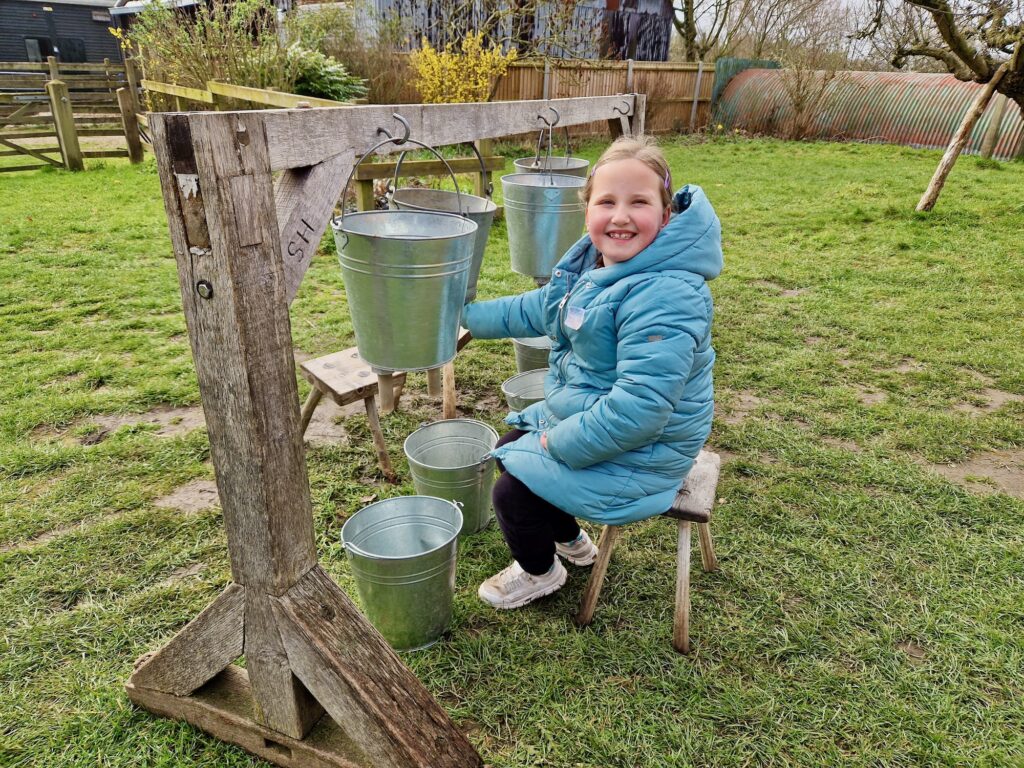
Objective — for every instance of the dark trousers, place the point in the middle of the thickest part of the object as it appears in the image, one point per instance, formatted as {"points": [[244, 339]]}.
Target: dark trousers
{"points": [[530, 525]]}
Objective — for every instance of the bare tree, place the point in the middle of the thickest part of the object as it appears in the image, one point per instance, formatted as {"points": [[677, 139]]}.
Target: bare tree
{"points": [[971, 40], [708, 26]]}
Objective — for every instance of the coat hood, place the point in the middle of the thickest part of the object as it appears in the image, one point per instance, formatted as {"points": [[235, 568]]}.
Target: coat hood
{"points": [[691, 241]]}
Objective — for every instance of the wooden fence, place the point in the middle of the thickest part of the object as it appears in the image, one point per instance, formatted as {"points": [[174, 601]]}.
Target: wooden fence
{"points": [[46, 106], [678, 93]]}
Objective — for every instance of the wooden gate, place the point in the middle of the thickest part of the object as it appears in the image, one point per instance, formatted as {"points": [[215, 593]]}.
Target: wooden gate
{"points": [[28, 130]]}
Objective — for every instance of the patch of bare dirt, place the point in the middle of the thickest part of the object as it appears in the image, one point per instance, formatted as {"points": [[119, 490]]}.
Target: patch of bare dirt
{"points": [[992, 400], [841, 444], [870, 396], [915, 653], [909, 365], [813, 341], [791, 293], [739, 405], [171, 422], [989, 472], [191, 498], [768, 284], [184, 573], [325, 427]]}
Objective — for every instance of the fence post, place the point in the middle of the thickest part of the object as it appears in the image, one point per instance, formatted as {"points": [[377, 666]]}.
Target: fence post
{"points": [[629, 76], [696, 96], [131, 75], [54, 66], [483, 179], [131, 125], [547, 80], [64, 122], [988, 144]]}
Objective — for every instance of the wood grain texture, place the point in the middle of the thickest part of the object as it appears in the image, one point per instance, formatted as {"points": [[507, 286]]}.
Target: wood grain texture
{"points": [[588, 602], [696, 499], [363, 684], [206, 645], [281, 701], [225, 709], [305, 202], [681, 618], [241, 340], [707, 547], [327, 133]]}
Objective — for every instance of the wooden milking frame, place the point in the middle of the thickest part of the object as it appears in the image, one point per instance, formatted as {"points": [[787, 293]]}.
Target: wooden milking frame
{"points": [[242, 244]]}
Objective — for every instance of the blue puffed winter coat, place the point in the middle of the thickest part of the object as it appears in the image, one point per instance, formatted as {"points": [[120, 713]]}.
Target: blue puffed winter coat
{"points": [[628, 395]]}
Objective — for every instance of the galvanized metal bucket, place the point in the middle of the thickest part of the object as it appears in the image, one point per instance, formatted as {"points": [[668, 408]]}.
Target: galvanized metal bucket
{"points": [[532, 354], [451, 459], [545, 216], [479, 210], [405, 275], [524, 389], [402, 554], [570, 166]]}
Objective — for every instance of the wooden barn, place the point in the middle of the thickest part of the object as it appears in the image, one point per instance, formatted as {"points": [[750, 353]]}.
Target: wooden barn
{"points": [[74, 31]]}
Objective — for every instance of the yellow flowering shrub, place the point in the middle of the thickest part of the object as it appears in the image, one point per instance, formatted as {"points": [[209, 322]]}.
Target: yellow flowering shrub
{"points": [[460, 74]]}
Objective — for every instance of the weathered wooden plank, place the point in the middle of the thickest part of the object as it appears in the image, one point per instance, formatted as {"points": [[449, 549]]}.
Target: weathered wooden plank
{"points": [[681, 616], [64, 124], [105, 152], [362, 683], [427, 167], [282, 702], [225, 709], [41, 66], [130, 125], [193, 94], [305, 200], [270, 98], [36, 152], [206, 645], [12, 168], [696, 499], [329, 132], [241, 337], [13, 152]]}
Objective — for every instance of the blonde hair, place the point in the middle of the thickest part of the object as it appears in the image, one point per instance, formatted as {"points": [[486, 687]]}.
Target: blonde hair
{"points": [[644, 149]]}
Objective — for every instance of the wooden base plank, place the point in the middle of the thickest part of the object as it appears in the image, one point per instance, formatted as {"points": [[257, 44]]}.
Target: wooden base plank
{"points": [[224, 708]]}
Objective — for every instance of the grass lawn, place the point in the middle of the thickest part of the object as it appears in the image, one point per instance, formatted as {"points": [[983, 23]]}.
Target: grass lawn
{"points": [[870, 604]]}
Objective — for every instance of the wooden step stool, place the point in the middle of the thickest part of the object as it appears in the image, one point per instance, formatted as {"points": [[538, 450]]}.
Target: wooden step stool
{"points": [[693, 504], [345, 377]]}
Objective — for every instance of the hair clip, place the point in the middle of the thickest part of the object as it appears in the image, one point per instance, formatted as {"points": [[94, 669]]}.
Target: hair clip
{"points": [[666, 180]]}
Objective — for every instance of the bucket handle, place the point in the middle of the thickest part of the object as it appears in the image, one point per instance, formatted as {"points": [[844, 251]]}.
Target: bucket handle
{"points": [[337, 221], [488, 190], [550, 125]]}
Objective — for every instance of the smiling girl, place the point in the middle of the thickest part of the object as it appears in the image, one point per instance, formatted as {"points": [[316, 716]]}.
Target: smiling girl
{"points": [[628, 395]]}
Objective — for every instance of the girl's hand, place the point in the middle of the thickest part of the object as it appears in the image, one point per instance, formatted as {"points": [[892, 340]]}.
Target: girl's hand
{"points": [[544, 440]]}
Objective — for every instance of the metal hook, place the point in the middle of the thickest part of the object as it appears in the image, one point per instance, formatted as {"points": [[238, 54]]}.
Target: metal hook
{"points": [[405, 127], [547, 122], [618, 109]]}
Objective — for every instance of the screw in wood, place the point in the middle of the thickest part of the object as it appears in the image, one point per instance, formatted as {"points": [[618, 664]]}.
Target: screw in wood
{"points": [[205, 289]]}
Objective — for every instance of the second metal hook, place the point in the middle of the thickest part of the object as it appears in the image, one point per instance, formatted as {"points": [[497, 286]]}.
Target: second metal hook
{"points": [[549, 123], [618, 109], [406, 130]]}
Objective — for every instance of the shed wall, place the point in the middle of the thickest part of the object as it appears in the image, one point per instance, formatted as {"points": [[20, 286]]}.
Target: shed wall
{"points": [[910, 108], [21, 20]]}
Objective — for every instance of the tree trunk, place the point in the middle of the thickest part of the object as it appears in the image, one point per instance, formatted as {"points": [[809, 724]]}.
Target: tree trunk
{"points": [[931, 194]]}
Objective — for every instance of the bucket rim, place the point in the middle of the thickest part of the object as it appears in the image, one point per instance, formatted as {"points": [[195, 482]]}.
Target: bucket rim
{"points": [[536, 373], [489, 207], [513, 178], [533, 342], [576, 161], [338, 225], [405, 443], [349, 547]]}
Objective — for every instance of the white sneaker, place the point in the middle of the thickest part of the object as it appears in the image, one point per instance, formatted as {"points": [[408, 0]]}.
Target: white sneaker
{"points": [[579, 551], [513, 587]]}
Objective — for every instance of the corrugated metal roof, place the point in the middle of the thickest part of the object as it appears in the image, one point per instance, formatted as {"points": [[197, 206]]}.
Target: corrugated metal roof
{"points": [[910, 108]]}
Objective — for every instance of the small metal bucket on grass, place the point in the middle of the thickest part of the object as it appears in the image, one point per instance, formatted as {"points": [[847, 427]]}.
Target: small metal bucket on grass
{"points": [[532, 354], [402, 554], [405, 276], [450, 459], [545, 216], [479, 210], [524, 389]]}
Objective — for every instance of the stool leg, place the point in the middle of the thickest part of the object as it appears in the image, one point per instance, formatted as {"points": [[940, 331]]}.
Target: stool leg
{"points": [[681, 621], [309, 406], [448, 391], [588, 603], [378, 440], [434, 382], [707, 547], [386, 392]]}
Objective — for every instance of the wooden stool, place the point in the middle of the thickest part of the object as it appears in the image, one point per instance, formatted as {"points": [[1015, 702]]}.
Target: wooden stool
{"points": [[693, 504], [345, 377]]}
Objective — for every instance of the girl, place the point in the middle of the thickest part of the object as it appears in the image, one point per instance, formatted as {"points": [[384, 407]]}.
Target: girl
{"points": [[628, 394]]}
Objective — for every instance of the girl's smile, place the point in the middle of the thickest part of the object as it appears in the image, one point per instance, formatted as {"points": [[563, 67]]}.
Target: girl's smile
{"points": [[624, 213]]}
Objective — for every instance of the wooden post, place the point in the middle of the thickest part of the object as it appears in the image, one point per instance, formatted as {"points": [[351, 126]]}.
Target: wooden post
{"points": [[681, 617], [931, 195], [546, 88], [131, 74], [365, 199], [988, 144], [54, 65], [696, 96], [130, 121], [64, 124], [482, 180], [448, 391], [434, 382], [629, 76]]}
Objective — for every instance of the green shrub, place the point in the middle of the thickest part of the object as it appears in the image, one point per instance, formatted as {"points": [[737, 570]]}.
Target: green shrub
{"points": [[317, 74]]}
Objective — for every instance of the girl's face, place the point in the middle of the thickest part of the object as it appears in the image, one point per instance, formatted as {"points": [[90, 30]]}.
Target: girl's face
{"points": [[624, 213]]}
